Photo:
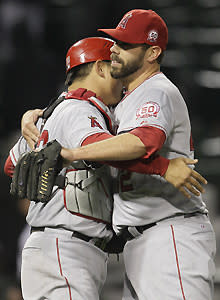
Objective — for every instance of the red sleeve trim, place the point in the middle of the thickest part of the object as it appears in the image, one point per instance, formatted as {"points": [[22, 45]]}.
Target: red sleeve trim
{"points": [[97, 137], [153, 138], [9, 167], [157, 166]]}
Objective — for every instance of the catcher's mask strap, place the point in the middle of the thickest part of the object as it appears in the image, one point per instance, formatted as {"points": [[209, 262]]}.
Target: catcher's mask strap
{"points": [[52, 105]]}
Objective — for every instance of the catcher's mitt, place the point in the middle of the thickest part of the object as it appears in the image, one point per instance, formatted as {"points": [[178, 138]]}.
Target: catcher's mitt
{"points": [[35, 173]]}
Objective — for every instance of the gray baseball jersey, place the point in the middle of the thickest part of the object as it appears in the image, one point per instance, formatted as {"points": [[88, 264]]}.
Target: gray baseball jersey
{"points": [[149, 198], [70, 124]]}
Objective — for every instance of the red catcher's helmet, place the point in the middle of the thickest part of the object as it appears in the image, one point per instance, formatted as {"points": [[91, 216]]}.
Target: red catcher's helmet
{"points": [[88, 50]]}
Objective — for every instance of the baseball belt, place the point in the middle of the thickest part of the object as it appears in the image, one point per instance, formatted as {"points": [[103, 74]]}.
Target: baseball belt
{"points": [[131, 232], [98, 242]]}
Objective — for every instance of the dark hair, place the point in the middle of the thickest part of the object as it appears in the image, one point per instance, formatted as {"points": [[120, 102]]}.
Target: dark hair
{"points": [[78, 72]]}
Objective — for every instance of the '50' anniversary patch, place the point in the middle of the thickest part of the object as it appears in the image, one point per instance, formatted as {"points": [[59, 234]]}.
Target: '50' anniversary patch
{"points": [[148, 109]]}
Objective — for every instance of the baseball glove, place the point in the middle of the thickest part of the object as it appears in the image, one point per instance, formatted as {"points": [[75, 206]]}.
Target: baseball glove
{"points": [[35, 173]]}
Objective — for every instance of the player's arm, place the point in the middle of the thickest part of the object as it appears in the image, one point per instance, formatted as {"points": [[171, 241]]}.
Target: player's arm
{"points": [[17, 150], [123, 147], [9, 167], [155, 165], [158, 166], [130, 146], [175, 171], [126, 146], [30, 134]]}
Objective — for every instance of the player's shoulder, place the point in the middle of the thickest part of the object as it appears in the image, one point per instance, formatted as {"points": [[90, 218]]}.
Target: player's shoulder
{"points": [[73, 107], [161, 84]]}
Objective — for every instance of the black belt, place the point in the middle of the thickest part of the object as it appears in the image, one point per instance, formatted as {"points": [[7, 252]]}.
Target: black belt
{"points": [[98, 242], [128, 236]]}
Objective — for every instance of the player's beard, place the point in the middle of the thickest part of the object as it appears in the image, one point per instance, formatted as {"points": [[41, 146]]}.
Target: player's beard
{"points": [[128, 68]]}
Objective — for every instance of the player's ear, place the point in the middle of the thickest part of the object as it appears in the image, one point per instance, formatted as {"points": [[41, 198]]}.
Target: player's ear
{"points": [[153, 53], [100, 68]]}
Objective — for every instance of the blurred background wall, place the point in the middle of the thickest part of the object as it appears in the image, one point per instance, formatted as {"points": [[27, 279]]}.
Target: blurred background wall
{"points": [[34, 38]]}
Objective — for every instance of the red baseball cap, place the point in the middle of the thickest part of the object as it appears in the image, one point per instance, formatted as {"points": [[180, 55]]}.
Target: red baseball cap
{"points": [[139, 26]]}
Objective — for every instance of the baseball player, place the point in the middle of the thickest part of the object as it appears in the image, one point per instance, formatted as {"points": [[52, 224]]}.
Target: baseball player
{"points": [[66, 253], [65, 256], [171, 244]]}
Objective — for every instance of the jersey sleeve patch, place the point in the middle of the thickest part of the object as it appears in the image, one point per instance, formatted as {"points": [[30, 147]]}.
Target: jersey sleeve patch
{"points": [[148, 109]]}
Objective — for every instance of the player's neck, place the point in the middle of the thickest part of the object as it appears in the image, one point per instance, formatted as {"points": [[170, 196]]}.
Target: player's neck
{"points": [[135, 79], [81, 84]]}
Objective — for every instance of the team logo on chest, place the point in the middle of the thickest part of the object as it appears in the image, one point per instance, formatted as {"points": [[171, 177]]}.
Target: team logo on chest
{"points": [[94, 123], [148, 109]]}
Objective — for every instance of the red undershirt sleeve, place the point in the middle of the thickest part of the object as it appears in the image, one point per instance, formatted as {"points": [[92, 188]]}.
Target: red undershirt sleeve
{"points": [[155, 165], [153, 138], [9, 167], [97, 137]]}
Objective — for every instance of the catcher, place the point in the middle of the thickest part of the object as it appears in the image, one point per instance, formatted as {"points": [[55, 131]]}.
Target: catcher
{"points": [[71, 208]]}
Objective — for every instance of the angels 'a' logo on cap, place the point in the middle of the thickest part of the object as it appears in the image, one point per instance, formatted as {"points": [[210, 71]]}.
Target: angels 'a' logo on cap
{"points": [[124, 21], [152, 36], [68, 63]]}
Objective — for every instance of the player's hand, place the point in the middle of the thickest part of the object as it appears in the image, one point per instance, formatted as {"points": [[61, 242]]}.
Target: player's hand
{"points": [[28, 128], [184, 178]]}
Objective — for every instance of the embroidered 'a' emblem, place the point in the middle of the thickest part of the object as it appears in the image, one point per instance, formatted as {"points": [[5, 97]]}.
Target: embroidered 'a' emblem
{"points": [[124, 21], [94, 123]]}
